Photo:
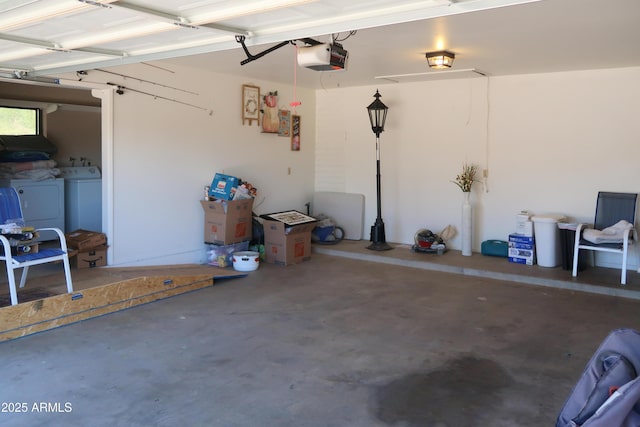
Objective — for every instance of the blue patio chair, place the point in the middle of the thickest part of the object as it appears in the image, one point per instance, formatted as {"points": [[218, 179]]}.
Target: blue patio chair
{"points": [[11, 212]]}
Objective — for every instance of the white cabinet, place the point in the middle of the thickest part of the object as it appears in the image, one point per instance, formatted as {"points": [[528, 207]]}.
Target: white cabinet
{"points": [[42, 203]]}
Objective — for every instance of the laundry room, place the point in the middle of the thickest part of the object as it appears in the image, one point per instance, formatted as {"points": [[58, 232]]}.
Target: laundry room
{"points": [[71, 121]]}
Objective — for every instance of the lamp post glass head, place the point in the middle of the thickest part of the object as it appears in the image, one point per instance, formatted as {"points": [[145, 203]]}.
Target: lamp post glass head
{"points": [[377, 114]]}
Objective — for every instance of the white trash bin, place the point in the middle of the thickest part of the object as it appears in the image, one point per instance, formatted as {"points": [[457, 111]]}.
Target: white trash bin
{"points": [[547, 239]]}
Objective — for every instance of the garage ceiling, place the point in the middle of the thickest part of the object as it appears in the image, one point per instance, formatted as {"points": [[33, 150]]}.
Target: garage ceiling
{"points": [[493, 37]]}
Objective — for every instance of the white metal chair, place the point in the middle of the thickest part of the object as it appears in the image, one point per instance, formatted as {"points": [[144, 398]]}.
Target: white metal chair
{"points": [[11, 212], [611, 208]]}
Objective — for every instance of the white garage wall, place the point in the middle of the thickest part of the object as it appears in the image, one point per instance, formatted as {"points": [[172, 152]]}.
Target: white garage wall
{"points": [[549, 143], [164, 153]]}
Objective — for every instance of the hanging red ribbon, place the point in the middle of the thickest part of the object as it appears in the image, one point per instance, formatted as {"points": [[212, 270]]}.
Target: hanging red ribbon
{"points": [[295, 101]]}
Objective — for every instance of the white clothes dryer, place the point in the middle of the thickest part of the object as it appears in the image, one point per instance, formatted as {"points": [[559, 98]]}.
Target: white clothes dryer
{"points": [[83, 197]]}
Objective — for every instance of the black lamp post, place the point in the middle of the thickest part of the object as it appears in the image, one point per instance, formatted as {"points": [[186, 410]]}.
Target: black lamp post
{"points": [[377, 116]]}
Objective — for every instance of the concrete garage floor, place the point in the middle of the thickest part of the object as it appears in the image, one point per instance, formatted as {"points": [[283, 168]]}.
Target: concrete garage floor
{"points": [[340, 340]]}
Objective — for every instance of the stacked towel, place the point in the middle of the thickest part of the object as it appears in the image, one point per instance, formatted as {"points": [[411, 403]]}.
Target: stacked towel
{"points": [[613, 234], [13, 167], [37, 170]]}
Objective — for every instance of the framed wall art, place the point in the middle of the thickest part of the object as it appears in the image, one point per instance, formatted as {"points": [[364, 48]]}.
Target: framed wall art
{"points": [[284, 128], [250, 104], [295, 132], [270, 121]]}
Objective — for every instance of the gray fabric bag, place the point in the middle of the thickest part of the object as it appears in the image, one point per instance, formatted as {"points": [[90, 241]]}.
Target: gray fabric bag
{"points": [[608, 392]]}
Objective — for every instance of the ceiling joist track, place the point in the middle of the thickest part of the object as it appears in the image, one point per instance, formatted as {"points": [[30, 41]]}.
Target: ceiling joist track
{"points": [[179, 21], [154, 14], [57, 47]]}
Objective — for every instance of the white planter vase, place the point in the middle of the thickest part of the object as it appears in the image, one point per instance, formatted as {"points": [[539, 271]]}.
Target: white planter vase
{"points": [[467, 231]]}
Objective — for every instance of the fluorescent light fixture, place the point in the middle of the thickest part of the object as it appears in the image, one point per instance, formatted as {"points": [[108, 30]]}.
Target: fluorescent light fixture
{"points": [[434, 75]]}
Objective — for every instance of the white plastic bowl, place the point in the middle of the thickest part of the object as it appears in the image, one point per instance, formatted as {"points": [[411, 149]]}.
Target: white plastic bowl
{"points": [[246, 261]]}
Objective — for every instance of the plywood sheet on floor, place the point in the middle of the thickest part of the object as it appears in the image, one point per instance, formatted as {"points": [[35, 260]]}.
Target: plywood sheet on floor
{"points": [[48, 313]]}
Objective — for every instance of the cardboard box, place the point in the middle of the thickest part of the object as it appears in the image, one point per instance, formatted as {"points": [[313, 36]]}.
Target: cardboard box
{"points": [[90, 258], [85, 239], [521, 260], [227, 222], [223, 186], [521, 239], [521, 245], [522, 249], [525, 228], [286, 245], [524, 253]]}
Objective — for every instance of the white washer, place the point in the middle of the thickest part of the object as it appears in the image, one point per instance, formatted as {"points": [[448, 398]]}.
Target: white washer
{"points": [[82, 197]]}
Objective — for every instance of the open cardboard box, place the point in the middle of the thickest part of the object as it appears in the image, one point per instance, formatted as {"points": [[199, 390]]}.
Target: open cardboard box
{"points": [[85, 239], [287, 237], [227, 222]]}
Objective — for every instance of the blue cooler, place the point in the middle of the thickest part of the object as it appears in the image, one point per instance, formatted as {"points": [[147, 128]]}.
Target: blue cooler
{"points": [[498, 248]]}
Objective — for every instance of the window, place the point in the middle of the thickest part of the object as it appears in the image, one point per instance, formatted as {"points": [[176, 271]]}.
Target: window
{"points": [[19, 121]]}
